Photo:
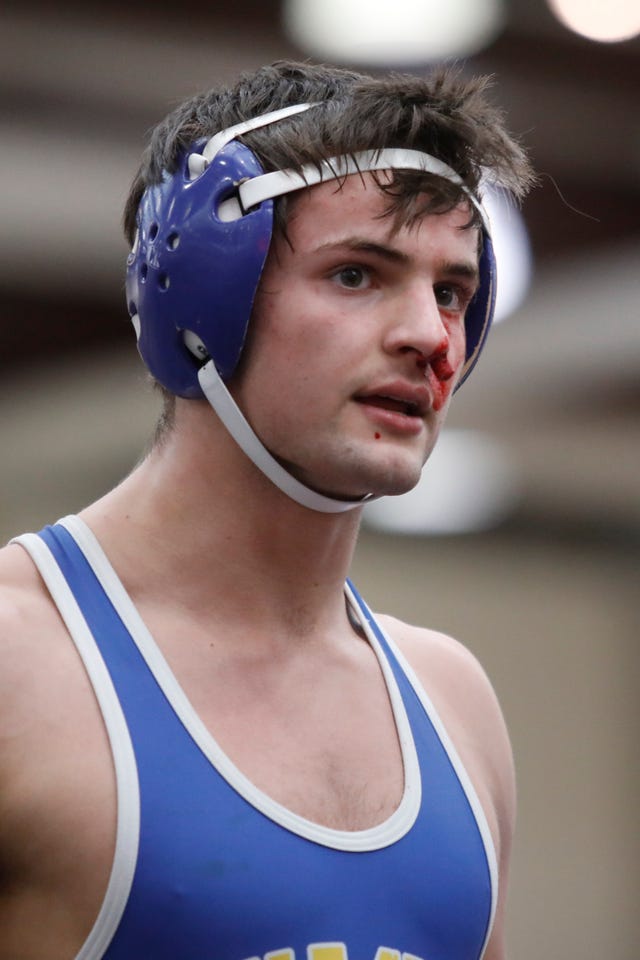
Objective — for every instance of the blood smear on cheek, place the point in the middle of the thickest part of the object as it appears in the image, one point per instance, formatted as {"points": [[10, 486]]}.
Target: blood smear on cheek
{"points": [[376, 436], [441, 393], [442, 368], [440, 376]]}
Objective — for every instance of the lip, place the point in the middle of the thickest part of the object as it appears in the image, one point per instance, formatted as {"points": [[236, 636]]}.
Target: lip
{"points": [[397, 404]]}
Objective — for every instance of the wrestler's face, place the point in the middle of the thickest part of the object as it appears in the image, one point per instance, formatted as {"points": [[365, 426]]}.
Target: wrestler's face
{"points": [[357, 339]]}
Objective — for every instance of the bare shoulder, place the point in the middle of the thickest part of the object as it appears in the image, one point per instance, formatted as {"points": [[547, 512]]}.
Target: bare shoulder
{"points": [[47, 707], [464, 698], [451, 675], [35, 655], [27, 618], [23, 599]]}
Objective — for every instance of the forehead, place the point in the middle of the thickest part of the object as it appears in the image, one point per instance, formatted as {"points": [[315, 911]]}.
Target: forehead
{"points": [[357, 206]]}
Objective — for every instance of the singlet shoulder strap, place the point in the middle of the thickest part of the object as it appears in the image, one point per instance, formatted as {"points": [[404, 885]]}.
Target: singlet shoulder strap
{"points": [[49, 556], [395, 654]]}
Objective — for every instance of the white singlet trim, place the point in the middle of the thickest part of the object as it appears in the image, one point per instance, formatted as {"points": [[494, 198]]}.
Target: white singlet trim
{"points": [[128, 794], [374, 838], [461, 773]]}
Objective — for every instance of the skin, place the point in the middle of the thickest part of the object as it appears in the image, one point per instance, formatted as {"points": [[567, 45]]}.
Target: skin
{"points": [[356, 344]]}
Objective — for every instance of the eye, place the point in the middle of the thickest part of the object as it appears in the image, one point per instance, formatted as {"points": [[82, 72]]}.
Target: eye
{"points": [[450, 297], [353, 277]]}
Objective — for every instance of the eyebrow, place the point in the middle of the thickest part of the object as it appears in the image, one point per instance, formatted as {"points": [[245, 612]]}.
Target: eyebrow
{"points": [[462, 269], [452, 268], [368, 246]]}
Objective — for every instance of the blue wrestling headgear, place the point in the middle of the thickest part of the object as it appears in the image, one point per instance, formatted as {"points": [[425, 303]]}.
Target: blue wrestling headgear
{"points": [[202, 241]]}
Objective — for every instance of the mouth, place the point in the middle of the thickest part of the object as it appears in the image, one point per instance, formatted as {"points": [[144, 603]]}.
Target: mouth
{"points": [[400, 397], [410, 408]]}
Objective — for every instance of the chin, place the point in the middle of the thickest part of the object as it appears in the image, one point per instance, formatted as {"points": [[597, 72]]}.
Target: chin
{"points": [[397, 488], [357, 474], [392, 481], [399, 475]]}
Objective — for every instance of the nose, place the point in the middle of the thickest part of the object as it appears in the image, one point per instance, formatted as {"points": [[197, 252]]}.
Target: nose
{"points": [[416, 325]]}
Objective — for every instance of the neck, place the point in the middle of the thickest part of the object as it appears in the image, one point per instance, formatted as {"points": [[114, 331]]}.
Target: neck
{"points": [[196, 519]]}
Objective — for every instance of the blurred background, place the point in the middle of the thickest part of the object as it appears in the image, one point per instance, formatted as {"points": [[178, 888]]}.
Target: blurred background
{"points": [[523, 537]]}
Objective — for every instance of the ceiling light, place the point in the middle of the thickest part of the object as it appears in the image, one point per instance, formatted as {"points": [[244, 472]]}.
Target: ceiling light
{"points": [[399, 32], [607, 22]]}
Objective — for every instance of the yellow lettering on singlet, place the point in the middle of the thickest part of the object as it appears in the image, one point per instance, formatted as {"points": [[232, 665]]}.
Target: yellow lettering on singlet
{"points": [[334, 951], [327, 951], [385, 953]]}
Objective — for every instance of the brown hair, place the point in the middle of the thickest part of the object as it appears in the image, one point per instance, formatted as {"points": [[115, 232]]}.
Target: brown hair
{"points": [[445, 114]]}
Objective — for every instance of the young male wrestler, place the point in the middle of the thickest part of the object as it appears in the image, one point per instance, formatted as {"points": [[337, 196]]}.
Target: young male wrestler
{"points": [[210, 747]]}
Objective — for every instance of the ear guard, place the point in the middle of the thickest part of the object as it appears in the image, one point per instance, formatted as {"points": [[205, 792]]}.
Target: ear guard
{"points": [[480, 312], [203, 237], [193, 273]]}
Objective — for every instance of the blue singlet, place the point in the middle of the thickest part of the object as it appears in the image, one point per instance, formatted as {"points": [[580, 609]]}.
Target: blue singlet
{"points": [[207, 867]]}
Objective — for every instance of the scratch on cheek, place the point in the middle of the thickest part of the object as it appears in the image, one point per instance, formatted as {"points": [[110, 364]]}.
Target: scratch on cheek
{"points": [[376, 435]]}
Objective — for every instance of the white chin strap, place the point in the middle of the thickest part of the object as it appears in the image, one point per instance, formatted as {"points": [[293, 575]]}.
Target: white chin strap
{"points": [[238, 426]]}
